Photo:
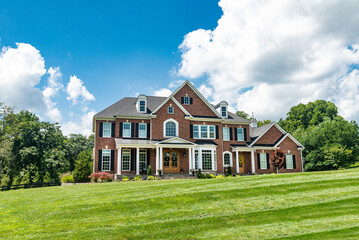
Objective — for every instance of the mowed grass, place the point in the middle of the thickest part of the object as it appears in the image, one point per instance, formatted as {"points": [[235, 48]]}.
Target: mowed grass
{"points": [[317, 205]]}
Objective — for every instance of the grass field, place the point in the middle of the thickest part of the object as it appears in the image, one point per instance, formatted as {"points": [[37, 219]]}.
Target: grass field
{"points": [[318, 205]]}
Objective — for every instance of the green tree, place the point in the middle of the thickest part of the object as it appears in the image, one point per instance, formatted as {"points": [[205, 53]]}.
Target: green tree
{"points": [[263, 122], [74, 145], [243, 115], [83, 166]]}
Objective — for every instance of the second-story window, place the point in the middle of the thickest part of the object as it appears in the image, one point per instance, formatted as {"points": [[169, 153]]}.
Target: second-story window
{"points": [[240, 134], [126, 129], [171, 129], [170, 110], [226, 134], [204, 131], [106, 129], [186, 100], [142, 106], [142, 131]]}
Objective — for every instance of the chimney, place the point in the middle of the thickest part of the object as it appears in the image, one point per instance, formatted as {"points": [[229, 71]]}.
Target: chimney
{"points": [[253, 121]]}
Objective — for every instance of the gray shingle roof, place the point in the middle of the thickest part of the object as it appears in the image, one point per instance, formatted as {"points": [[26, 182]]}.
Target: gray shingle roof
{"points": [[256, 132], [127, 107]]}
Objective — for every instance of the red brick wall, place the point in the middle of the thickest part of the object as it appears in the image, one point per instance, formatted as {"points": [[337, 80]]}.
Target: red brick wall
{"points": [[270, 137], [198, 108], [286, 145]]}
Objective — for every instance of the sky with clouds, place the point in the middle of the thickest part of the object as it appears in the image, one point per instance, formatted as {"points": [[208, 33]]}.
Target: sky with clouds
{"points": [[66, 61]]}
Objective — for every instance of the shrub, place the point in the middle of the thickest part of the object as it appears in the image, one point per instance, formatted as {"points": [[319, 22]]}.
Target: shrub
{"points": [[67, 178], [200, 174], [137, 178], [149, 170], [83, 166], [157, 178], [150, 178], [101, 177], [229, 170], [125, 179], [208, 175], [220, 176]]}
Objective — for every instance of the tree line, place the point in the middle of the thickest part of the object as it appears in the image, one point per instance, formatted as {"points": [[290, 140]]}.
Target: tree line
{"points": [[330, 141], [36, 151]]}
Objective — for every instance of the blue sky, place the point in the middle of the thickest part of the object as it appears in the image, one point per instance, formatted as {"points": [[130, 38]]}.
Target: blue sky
{"points": [[66, 60]]}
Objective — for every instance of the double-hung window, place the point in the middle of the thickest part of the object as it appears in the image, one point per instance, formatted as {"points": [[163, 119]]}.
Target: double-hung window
{"points": [[289, 161], [142, 131], [263, 160], [240, 134], [106, 129], [227, 160], [186, 100], [224, 111], [126, 129], [126, 160], [143, 159], [226, 134], [170, 110], [106, 160], [204, 131], [142, 106]]}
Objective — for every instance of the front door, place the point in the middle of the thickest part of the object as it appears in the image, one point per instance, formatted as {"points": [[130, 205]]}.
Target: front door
{"points": [[241, 162], [170, 161]]}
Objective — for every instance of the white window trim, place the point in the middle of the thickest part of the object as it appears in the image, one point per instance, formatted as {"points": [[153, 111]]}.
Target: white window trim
{"points": [[184, 100], [226, 111], [139, 106], [123, 129], [168, 110], [291, 156], [230, 159], [260, 160], [103, 129], [122, 155], [145, 124], [214, 161], [164, 128], [229, 137], [208, 132], [109, 164], [243, 129]]}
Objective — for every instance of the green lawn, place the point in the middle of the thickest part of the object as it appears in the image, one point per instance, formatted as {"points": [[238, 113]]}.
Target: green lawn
{"points": [[317, 205]]}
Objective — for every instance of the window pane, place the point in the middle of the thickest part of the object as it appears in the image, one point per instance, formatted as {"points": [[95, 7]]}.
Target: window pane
{"points": [[106, 129], [240, 135], [126, 159], [263, 160], [142, 106], [227, 159], [170, 129], [186, 100], [170, 110], [204, 133], [224, 111], [126, 130], [195, 131], [212, 132], [225, 134], [142, 130], [289, 161], [206, 160], [196, 159], [106, 159], [143, 159]]}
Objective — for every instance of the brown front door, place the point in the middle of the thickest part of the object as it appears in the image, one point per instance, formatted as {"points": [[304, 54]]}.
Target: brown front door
{"points": [[170, 161], [241, 162]]}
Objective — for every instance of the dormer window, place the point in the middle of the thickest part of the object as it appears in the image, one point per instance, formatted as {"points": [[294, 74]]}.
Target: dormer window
{"points": [[223, 109], [141, 104]]}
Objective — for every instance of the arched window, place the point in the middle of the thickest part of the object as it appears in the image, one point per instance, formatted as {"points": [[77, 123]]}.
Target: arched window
{"points": [[227, 159], [170, 128]]}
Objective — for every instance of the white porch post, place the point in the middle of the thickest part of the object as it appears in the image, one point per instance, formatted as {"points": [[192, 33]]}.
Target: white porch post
{"points": [[119, 161], [212, 153], [157, 159], [161, 158], [237, 162], [193, 159], [137, 161], [189, 160], [252, 162]]}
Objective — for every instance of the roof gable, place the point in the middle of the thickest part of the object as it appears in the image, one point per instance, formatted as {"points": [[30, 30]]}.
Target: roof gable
{"points": [[292, 138], [175, 140], [175, 102], [261, 131]]}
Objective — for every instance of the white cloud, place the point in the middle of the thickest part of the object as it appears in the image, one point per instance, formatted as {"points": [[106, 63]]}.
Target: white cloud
{"points": [[176, 83], [270, 55], [163, 92], [83, 127], [53, 86], [76, 89], [21, 69]]}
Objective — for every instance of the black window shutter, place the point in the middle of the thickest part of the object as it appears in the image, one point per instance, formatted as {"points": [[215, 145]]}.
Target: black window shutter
{"points": [[113, 130], [217, 132], [148, 130], [137, 130], [132, 129], [191, 130], [245, 134], [99, 167], [190, 100], [294, 163], [112, 160], [231, 134], [235, 134], [285, 162], [121, 126], [258, 161], [268, 166], [101, 129], [182, 100], [148, 157], [133, 160]]}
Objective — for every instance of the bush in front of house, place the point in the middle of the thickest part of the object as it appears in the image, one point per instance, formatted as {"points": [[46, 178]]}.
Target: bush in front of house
{"points": [[209, 175], [137, 178], [150, 178], [125, 179], [149, 170], [220, 176], [200, 174], [83, 166], [67, 178], [101, 177]]}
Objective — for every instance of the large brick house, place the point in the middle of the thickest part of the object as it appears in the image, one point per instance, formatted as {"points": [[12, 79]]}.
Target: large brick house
{"points": [[184, 131]]}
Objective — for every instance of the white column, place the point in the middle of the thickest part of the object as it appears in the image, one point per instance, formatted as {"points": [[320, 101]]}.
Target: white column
{"points": [[212, 155], [157, 159], [189, 160], [252, 162], [161, 158], [193, 159], [237, 162], [119, 161], [137, 161]]}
